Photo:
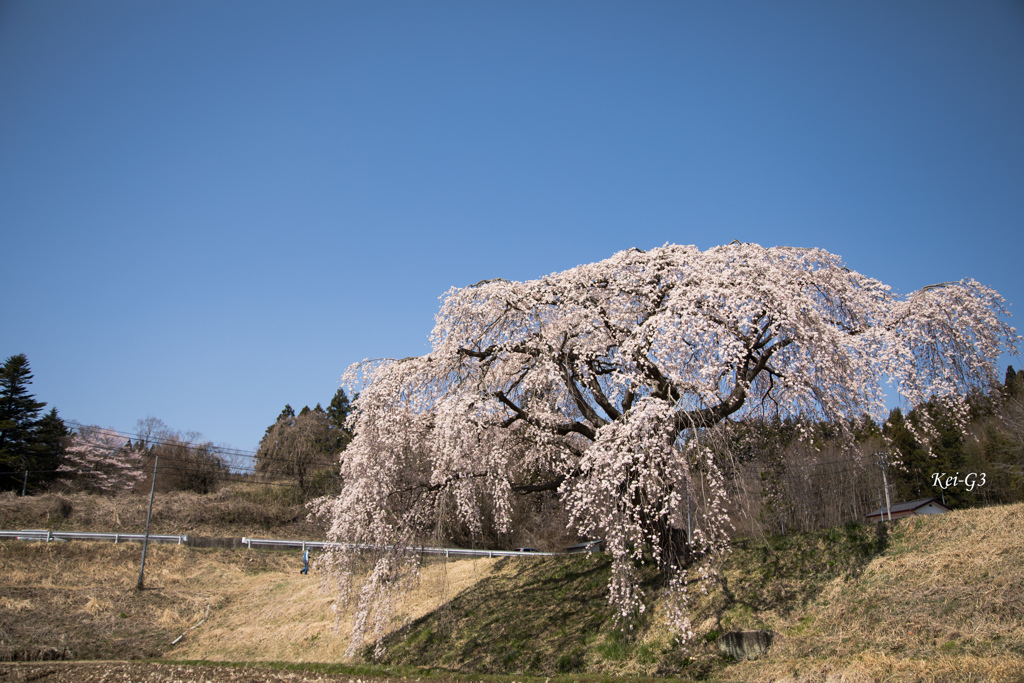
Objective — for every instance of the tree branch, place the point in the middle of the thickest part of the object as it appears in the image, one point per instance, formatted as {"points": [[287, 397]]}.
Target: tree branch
{"points": [[560, 430]]}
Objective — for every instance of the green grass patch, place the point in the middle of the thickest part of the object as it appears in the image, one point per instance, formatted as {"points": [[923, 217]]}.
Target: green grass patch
{"points": [[531, 615], [550, 616]]}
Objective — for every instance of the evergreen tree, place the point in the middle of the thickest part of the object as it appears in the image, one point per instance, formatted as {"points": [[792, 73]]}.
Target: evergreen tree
{"points": [[19, 411], [913, 478], [52, 437], [337, 414], [339, 409]]}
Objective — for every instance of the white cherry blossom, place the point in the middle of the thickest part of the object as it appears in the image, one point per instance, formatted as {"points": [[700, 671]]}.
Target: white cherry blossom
{"points": [[608, 383]]}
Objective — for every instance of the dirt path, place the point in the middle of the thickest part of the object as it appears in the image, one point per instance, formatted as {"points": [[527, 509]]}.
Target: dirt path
{"points": [[145, 672]]}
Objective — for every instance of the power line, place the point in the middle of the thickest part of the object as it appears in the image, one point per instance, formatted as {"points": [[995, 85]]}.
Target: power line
{"points": [[208, 446], [228, 478], [159, 441]]}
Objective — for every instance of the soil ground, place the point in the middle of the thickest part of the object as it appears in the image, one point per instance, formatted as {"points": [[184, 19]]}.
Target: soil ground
{"points": [[150, 672]]}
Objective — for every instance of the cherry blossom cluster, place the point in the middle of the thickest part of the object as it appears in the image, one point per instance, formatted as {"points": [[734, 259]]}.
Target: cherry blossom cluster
{"points": [[612, 383], [101, 459]]}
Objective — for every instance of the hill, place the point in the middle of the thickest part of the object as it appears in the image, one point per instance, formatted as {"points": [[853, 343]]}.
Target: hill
{"points": [[937, 598]]}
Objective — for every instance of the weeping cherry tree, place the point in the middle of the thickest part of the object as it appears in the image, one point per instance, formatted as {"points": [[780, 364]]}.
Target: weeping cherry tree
{"points": [[613, 383]]}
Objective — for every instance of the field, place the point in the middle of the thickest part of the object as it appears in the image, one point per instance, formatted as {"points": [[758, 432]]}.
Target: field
{"points": [[931, 599]]}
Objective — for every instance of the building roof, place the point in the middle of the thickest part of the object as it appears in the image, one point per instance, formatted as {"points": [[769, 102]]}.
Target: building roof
{"points": [[909, 506]]}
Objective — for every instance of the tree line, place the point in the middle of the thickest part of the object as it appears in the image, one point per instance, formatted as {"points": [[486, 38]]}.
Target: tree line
{"points": [[306, 446], [31, 443], [781, 482], [41, 451]]}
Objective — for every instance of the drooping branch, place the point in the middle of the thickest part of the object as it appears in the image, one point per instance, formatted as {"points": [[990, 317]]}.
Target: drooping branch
{"points": [[606, 382]]}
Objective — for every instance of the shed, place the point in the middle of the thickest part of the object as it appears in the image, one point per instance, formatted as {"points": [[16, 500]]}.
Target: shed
{"points": [[922, 506]]}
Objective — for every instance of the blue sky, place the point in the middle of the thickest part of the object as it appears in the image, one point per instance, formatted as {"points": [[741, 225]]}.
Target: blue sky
{"points": [[210, 209]]}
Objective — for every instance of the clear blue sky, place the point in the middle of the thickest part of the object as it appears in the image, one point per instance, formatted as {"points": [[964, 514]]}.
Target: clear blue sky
{"points": [[210, 209]]}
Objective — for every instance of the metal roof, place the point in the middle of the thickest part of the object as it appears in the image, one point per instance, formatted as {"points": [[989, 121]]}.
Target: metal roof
{"points": [[906, 507]]}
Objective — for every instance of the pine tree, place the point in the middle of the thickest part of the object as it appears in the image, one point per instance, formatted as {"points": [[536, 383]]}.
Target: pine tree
{"points": [[52, 437], [19, 411], [339, 409]]}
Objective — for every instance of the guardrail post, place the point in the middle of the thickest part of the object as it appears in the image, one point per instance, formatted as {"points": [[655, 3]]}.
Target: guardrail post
{"points": [[49, 535], [116, 538]]}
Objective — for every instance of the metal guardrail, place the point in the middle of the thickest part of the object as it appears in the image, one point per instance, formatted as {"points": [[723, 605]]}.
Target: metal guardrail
{"points": [[47, 535], [447, 552]]}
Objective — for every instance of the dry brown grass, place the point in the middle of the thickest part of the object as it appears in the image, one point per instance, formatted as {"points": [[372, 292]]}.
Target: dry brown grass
{"points": [[284, 616], [236, 510], [81, 596], [256, 605], [945, 602], [952, 584]]}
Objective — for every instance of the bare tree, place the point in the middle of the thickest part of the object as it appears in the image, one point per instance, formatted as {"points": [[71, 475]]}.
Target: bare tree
{"points": [[300, 446], [187, 461]]}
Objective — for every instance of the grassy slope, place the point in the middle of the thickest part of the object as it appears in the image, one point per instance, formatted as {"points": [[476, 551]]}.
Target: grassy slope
{"points": [[81, 596], [945, 600], [938, 598], [284, 616], [550, 616], [257, 607]]}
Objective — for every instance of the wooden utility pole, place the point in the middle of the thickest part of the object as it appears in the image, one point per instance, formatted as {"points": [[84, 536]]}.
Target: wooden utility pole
{"points": [[884, 463], [145, 540]]}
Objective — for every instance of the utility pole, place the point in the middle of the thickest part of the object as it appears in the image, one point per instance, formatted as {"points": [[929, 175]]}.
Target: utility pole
{"points": [[145, 540], [884, 463]]}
